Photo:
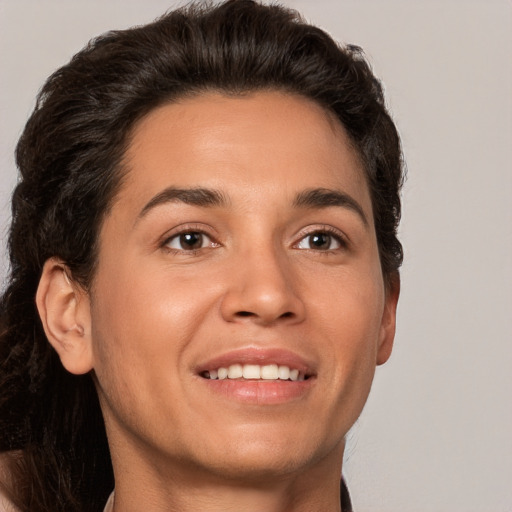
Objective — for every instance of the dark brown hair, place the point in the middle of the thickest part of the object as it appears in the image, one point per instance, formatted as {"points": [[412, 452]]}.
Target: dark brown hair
{"points": [[69, 161]]}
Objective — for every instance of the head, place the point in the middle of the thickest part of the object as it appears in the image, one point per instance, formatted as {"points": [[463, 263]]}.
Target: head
{"points": [[74, 158]]}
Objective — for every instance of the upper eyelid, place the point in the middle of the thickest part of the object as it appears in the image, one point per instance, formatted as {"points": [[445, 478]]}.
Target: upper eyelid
{"points": [[331, 230], [212, 233], [165, 242], [189, 228]]}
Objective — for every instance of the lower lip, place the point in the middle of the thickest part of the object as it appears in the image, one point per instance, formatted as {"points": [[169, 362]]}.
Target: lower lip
{"points": [[260, 392]]}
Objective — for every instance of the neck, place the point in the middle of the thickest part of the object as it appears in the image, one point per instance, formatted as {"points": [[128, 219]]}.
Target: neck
{"points": [[155, 489]]}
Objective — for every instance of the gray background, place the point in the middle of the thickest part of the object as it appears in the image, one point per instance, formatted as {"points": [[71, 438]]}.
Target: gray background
{"points": [[436, 433]]}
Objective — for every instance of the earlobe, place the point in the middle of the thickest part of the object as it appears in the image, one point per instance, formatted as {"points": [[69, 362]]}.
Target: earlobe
{"points": [[64, 309], [388, 323]]}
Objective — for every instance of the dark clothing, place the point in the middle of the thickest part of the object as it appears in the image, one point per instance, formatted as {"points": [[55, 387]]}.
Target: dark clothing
{"points": [[346, 504]]}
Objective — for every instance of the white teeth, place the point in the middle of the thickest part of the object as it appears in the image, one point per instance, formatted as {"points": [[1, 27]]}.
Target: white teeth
{"points": [[251, 371], [256, 372], [284, 372], [294, 374], [235, 371], [270, 372]]}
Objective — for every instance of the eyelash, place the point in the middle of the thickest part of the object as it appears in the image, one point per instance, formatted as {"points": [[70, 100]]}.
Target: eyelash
{"points": [[188, 230], [324, 230], [192, 230]]}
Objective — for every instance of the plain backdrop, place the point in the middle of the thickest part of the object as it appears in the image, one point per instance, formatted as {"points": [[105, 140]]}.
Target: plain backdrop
{"points": [[436, 434]]}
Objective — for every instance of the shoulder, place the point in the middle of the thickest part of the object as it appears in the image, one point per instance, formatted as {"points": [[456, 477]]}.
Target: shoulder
{"points": [[6, 505], [6, 459]]}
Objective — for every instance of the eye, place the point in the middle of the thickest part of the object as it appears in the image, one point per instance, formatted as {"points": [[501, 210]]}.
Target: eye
{"points": [[189, 241], [321, 241]]}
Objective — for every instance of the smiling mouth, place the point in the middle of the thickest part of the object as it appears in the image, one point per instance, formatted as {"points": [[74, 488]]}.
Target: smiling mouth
{"points": [[267, 372]]}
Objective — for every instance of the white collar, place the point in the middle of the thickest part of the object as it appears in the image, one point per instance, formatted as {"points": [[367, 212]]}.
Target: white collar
{"points": [[109, 507]]}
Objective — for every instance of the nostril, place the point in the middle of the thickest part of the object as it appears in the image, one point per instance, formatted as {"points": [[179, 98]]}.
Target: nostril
{"points": [[245, 314]]}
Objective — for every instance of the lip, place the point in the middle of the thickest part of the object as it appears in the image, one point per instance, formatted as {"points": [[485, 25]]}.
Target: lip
{"points": [[253, 355], [259, 392]]}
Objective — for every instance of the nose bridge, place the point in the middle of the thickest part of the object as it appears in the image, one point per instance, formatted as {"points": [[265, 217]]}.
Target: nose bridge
{"points": [[262, 286]]}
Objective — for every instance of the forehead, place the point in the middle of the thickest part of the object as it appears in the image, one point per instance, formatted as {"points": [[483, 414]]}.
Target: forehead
{"points": [[260, 140]]}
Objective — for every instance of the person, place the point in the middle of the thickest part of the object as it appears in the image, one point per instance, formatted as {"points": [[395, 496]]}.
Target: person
{"points": [[204, 268]]}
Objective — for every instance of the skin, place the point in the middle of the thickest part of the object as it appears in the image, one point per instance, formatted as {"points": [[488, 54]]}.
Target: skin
{"points": [[157, 310]]}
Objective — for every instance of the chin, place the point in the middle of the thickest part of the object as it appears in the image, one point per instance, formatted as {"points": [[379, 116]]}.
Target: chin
{"points": [[268, 457], [259, 466]]}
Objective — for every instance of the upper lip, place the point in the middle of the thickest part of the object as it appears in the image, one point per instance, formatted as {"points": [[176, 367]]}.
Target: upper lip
{"points": [[260, 356]]}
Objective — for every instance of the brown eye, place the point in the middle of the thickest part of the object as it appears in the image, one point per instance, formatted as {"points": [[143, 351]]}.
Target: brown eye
{"points": [[320, 241], [189, 241]]}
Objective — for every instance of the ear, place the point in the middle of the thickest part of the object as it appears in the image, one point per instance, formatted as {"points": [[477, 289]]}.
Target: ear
{"points": [[64, 309], [388, 323]]}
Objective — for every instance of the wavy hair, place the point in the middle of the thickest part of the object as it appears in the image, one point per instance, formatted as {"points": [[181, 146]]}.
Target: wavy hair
{"points": [[69, 159]]}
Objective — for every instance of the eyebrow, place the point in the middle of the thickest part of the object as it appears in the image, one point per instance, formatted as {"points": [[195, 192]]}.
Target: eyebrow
{"points": [[318, 198], [204, 197]]}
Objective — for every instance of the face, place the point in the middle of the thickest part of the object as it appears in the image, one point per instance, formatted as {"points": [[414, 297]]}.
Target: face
{"points": [[242, 244]]}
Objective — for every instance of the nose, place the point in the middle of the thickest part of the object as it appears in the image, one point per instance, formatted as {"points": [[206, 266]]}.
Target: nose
{"points": [[262, 289]]}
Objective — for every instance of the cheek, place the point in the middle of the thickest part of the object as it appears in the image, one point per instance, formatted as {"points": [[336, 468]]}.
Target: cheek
{"points": [[151, 305], [351, 315], [140, 330], [349, 304], [140, 334]]}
